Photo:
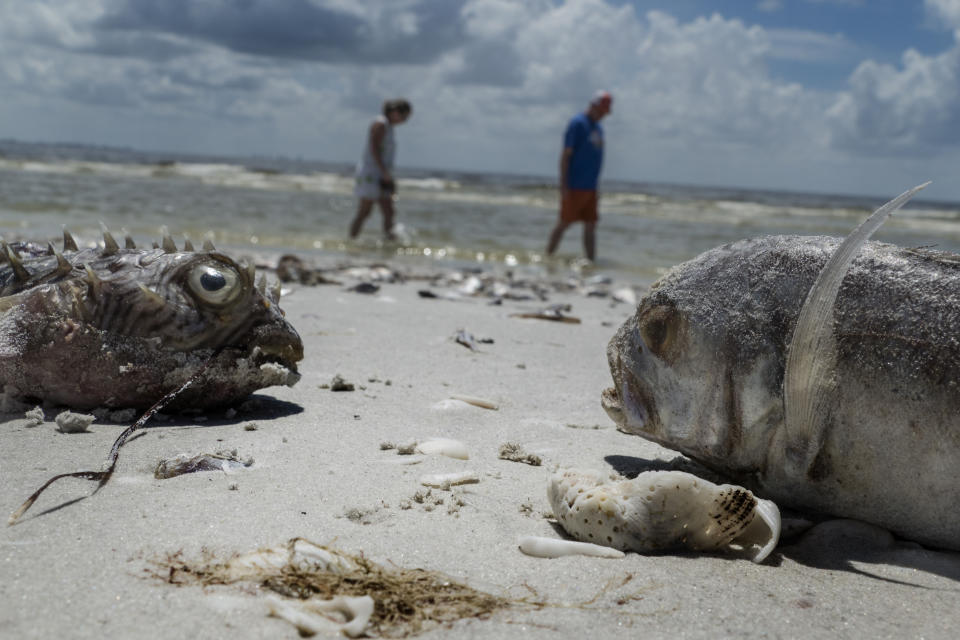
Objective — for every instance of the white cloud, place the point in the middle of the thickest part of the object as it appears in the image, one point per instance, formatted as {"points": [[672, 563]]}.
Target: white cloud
{"points": [[493, 83], [947, 10], [914, 109]]}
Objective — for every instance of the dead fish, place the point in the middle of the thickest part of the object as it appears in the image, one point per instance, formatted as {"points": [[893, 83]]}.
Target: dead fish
{"points": [[121, 327], [555, 312], [184, 463], [820, 374]]}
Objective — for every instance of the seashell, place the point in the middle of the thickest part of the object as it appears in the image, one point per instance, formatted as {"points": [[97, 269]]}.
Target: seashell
{"points": [[444, 447], [540, 547], [315, 616], [662, 510], [477, 402], [447, 480]]}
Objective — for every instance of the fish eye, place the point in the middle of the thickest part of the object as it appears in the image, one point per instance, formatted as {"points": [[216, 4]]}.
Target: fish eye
{"points": [[658, 328], [212, 284]]}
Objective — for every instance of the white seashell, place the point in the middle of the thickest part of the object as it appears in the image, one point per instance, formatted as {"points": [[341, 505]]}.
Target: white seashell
{"points": [[317, 616], [447, 480], [661, 510], [555, 548], [477, 402], [444, 447]]}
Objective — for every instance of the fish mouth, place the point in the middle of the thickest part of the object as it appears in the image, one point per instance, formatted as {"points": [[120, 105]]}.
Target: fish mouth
{"points": [[610, 401], [627, 403], [279, 346]]}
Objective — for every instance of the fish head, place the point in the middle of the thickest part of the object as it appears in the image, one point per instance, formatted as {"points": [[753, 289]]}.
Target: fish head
{"points": [[699, 367], [122, 328], [195, 301]]}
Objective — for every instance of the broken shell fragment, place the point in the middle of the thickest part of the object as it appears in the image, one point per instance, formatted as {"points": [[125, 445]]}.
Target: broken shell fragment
{"points": [[444, 447], [477, 402], [447, 480], [540, 547], [315, 616], [663, 510]]}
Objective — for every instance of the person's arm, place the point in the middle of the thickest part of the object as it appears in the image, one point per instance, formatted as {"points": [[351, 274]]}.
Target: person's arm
{"points": [[377, 131], [572, 139], [565, 168]]}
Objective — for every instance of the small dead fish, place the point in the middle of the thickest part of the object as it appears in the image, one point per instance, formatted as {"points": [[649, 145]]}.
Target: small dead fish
{"points": [[555, 312], [183, 464]]}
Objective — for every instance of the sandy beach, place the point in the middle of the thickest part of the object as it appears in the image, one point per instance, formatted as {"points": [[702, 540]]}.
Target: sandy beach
{"points": [[95, 567]]}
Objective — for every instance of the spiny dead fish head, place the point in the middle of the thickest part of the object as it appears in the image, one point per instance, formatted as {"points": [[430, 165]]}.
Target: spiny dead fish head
{"points": [[122, 326]]}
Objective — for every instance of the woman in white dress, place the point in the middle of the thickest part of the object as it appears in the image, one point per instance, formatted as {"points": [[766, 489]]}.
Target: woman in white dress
{"points": [[374, 178]]}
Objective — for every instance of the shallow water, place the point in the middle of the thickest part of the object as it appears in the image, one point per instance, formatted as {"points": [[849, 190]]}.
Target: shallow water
{"points": [[276, 205]]}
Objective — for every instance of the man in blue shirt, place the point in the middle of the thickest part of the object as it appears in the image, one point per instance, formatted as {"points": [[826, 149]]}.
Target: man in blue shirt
{"points": [[580, 165]]}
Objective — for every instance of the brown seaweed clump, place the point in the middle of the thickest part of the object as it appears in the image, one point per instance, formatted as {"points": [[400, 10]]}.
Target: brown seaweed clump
{"points": [[408, 601]]}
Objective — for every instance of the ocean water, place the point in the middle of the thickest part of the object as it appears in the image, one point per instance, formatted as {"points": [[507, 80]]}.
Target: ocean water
{"points": [[271, 206]]}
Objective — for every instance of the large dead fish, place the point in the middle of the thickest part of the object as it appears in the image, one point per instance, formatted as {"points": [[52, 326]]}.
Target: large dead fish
{"points": [[120, 326], [823, 375]]}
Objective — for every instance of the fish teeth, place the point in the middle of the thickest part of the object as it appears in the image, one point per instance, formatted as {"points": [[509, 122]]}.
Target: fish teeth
{"points": [[187, 245], [662, 510]]}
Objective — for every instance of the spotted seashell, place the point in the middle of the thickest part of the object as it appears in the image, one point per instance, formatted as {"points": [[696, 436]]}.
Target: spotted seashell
{"points": [[664, 510]]}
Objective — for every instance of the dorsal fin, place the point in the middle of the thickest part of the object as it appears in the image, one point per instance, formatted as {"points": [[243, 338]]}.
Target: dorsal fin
{"points": [[19, 271], [167, 243], [110, 246], [69, 244], [810, 375]]}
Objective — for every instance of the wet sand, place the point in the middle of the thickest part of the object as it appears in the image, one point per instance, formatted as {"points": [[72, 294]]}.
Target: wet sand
{"points": [[87, 568]]}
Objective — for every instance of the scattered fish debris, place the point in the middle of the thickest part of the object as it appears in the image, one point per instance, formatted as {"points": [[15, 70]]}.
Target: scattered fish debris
{"points": [[555, 313], [184, 463]]}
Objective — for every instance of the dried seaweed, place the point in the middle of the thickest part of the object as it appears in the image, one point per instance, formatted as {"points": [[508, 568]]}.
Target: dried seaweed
{"points": [[408, 601], [513, 452], [102, 477]]}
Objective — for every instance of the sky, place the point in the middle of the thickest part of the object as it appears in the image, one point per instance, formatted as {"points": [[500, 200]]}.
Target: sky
{"points": [[833, 96]]}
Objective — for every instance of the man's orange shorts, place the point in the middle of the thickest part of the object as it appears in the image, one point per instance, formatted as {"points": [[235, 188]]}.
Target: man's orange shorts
{"points": [[579, 205]]}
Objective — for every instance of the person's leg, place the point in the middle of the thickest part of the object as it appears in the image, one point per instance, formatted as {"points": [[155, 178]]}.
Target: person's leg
{"points": [[555, 236], [589, 240], [386, 208], [364, 206]]}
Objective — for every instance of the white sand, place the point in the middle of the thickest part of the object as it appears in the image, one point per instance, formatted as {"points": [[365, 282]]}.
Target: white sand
{"points": [[79, 571]]}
